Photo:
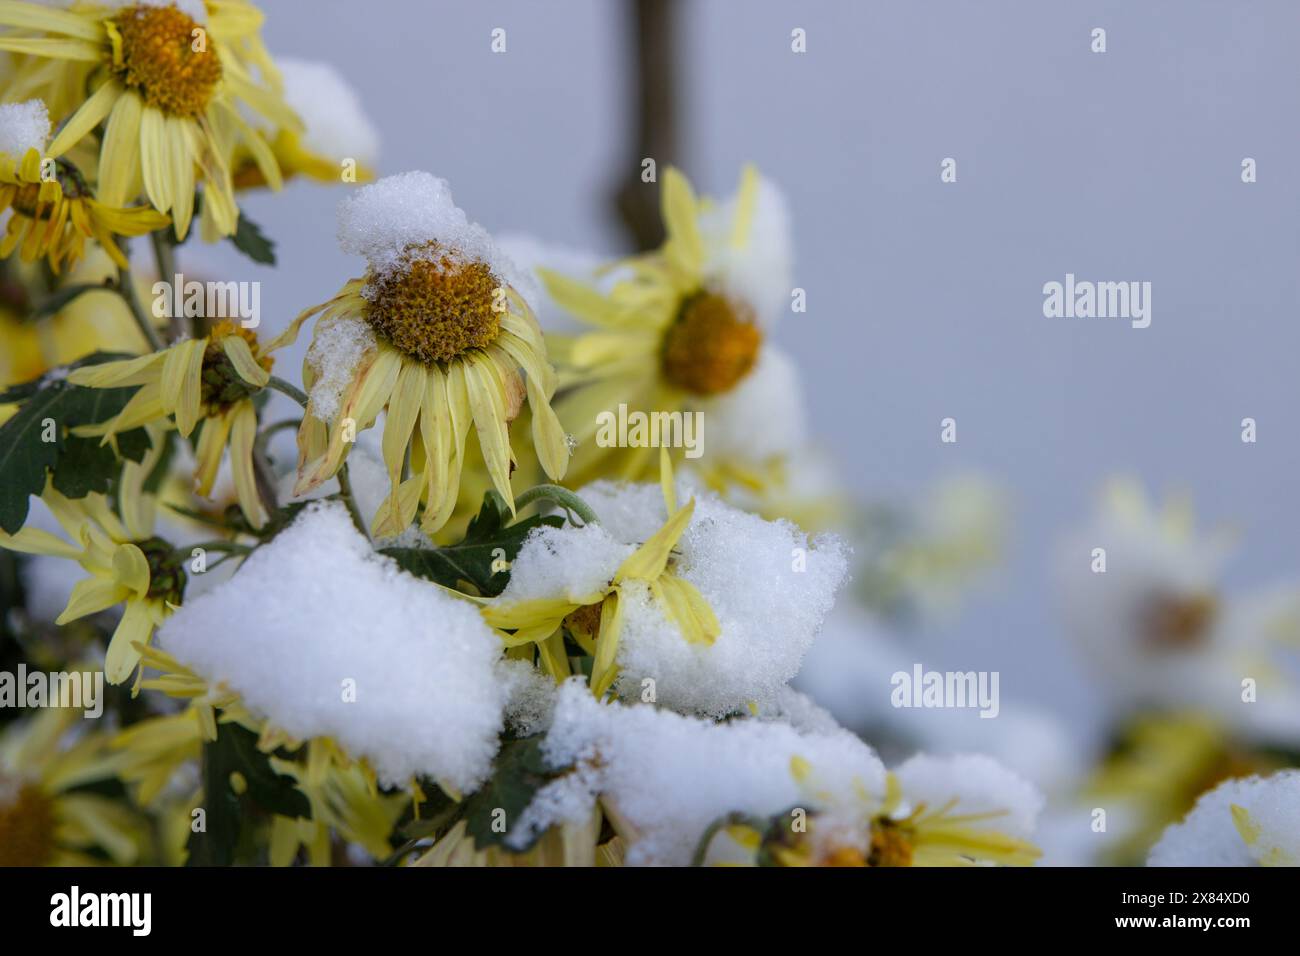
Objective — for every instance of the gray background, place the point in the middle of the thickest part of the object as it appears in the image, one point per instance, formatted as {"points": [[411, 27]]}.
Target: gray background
{"points": [[924, 299]]}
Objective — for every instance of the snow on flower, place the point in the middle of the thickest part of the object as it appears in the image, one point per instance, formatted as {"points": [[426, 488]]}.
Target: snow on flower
{"points": [[314, 615]]}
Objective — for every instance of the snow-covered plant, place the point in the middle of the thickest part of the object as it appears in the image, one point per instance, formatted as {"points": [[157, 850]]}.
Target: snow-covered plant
{"points": [[514, 595]]}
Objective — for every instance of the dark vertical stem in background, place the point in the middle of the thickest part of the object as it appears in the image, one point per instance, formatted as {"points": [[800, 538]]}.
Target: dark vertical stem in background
{"points": [[653, 106]]}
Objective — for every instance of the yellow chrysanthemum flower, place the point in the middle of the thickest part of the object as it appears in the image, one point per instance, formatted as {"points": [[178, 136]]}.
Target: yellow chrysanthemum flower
{"points": [[595, 620], [336, 143], [169, 91], [447, 337], [52, 218], [212, 380], [127, 562], [45, 820], [671, 335]]}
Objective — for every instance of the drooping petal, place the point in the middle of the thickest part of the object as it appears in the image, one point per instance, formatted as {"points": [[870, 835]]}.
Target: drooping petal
{"points": [[603, 667], [87, 117], [90, 596], [136, 627], [180, 386], [241, 357], [243, 434]]}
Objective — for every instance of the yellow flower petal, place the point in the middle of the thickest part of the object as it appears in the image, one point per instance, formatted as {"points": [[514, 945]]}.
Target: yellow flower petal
{"points": [[180, 385], [87, 117], [649, 560], [90, 596], [243, 434], [241, 357], [136, 627], [684, 248], [604, 669]]}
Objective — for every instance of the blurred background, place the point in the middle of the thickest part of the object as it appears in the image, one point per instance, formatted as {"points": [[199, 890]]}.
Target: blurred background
{"points": [[924, 298]]}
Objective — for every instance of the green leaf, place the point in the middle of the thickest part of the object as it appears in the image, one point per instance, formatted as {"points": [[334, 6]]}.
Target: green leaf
{"points": [[225, 811], [252, 242], [36, 438], [85, 464], [519, 772], [488, 539]]}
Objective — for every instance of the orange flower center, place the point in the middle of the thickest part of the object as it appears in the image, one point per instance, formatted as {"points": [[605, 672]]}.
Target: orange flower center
{"points": [[165, 56], [436, 305], [889, 845], [220, 385], [1179, 622], [712, 345]]}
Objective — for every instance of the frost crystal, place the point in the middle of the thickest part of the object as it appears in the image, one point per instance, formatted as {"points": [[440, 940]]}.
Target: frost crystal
{"points": [[23, 126], [335, 350], [669, 777], [316, 614], [1251, 821], [387, 219], [767, 584]]}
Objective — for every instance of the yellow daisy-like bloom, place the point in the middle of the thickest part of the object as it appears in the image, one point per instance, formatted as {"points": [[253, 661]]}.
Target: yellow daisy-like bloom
{"points": [[669, 337], [45, 820], [450, 342], [127, 562], [168, 90], [336, 142], [210, 380], [52, 219], [595, 620]]}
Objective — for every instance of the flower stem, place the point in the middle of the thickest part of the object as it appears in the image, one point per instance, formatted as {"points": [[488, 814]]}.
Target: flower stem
{"points": [[563, 497], [288, 388], [165, 259], [126, 289], [345, 490]]}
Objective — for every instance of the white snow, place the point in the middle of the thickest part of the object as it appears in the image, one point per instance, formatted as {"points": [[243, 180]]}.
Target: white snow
{"points": [[531, 697], [762, 417], [23, 126], [565, 562], [336, 348], [335, 122], [316, 608], [669, 776], [744, 566], [1208, 836], [398, 215], [979, 784]]}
